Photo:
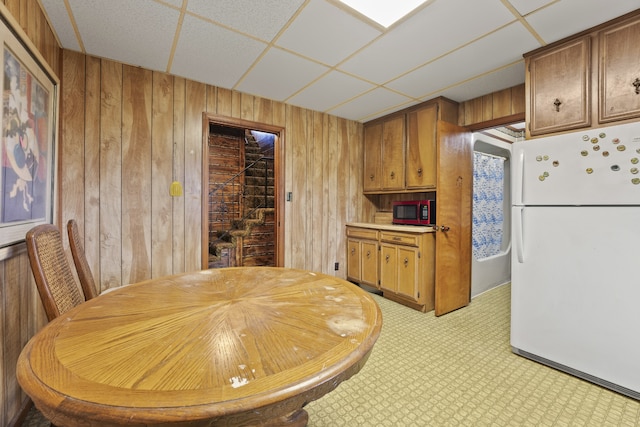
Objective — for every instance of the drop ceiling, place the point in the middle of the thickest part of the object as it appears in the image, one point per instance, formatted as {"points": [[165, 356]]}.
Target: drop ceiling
{"points": [[318, 54]]}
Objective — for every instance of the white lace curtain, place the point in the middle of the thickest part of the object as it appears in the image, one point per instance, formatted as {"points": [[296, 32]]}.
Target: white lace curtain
{"points": [[488, 204]]}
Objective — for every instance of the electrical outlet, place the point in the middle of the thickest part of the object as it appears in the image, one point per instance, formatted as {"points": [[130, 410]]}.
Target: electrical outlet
{"points": [[336, 266]]}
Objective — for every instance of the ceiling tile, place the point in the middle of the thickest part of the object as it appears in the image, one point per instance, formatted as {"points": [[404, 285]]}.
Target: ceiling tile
{"points": [[60, 20], [309, 34], [554, 22], [489, 53], [487, 83], [176, 3], [108, 27], [211, 54], [262, 19], [372, 104], [279, 74], [456, 48], [331, 90], [434, 31], [525, 7]]}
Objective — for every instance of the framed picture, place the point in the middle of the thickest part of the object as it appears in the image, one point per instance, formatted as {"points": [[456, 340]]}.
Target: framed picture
{"points": [[29, 123]]}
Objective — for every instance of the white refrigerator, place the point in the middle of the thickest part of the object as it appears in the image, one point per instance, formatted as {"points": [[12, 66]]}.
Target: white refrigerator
{"points": [[575, 291]]}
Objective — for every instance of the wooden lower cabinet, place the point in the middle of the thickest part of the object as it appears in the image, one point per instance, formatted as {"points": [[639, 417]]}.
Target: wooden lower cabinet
{"points": [[404, 269], [407, 271], [362, 256], [398, 271]]}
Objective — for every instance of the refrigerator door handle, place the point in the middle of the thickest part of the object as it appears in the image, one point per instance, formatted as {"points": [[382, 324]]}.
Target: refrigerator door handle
{"points": [[518, 178], [518, 213]]}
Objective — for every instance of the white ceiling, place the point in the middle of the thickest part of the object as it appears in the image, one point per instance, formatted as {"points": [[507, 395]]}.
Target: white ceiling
{"points": [[319, 55]]}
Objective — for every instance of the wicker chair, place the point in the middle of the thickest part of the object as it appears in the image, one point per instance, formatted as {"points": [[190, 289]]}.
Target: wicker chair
{"points": [[54, 278], [80, 261]]}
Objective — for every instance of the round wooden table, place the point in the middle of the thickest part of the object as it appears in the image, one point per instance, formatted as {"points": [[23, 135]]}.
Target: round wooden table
{"points": [[232, 346]]}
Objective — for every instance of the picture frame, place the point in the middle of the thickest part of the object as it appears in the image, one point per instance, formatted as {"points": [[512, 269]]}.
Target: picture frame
{"points": [[28, 157]]}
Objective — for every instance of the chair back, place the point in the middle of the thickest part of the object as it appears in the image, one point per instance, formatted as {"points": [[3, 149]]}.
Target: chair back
{"points": [[80, 261], [54, 278]]}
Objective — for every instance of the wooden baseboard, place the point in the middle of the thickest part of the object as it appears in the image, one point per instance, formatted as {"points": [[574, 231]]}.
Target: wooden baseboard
{"points": [[396, 298]]}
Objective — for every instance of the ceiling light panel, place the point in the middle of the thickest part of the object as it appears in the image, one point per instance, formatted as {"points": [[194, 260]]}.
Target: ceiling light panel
{"points": [[384, 12], [310, 36]]}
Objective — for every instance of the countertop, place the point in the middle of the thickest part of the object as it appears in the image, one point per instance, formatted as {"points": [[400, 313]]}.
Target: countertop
{"points": [[392, 227]]}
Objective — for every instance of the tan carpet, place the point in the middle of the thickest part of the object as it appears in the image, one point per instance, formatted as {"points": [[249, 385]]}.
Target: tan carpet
{"points": [[458, 370]]}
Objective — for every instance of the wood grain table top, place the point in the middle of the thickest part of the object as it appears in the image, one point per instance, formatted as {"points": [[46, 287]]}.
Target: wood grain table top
{"points": [[228, 346]]}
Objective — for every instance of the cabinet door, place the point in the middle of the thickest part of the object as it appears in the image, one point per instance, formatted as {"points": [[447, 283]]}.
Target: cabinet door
{"points": [[559, 88], [372, 179], [619, 72], [388, 269], [407, 264], [393, 154], [353, 260], [369, 263], [421, 147]]}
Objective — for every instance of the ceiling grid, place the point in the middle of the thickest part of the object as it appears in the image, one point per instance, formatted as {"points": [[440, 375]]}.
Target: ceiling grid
{"points": [[319, 54]]}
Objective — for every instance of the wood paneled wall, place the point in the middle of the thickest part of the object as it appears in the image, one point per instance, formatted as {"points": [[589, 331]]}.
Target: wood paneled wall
{"points": [[29, 18], [124, 133], [21, 312], [125, 130], [494, 109]]}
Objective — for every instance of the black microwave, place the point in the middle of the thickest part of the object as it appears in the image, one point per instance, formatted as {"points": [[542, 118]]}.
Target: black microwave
{"points": [[414, 212]]}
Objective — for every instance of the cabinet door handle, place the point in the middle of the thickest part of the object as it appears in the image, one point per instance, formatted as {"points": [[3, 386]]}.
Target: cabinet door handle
{"points": [[419, 171], [636, 83], [387, 259], [353, 251], [393, 175], [368, 254], [557, 104], [371, 177], [406, 262]]}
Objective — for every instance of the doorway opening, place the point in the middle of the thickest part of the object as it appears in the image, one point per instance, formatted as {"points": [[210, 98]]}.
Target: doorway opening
{"points": [[241, 225], [491, 218]]}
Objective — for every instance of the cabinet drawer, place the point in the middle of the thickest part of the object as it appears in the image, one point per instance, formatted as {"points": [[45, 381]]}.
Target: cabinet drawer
{"points": [[400, 239], [362, 233]]}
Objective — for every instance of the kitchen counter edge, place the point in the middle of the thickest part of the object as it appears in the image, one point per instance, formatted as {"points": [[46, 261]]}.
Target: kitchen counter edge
{"points": [[392, 227]]}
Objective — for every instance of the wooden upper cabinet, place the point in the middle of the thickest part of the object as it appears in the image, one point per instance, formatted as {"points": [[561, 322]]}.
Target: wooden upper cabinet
{"points": [[421, 147], [590, 79], [558, 81], [400, 150], [619, 92], [393, 154], [384, 155], [372, 179]]}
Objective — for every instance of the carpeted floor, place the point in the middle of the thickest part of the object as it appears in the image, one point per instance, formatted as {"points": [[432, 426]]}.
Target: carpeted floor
{"points": [[458, 370]]}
